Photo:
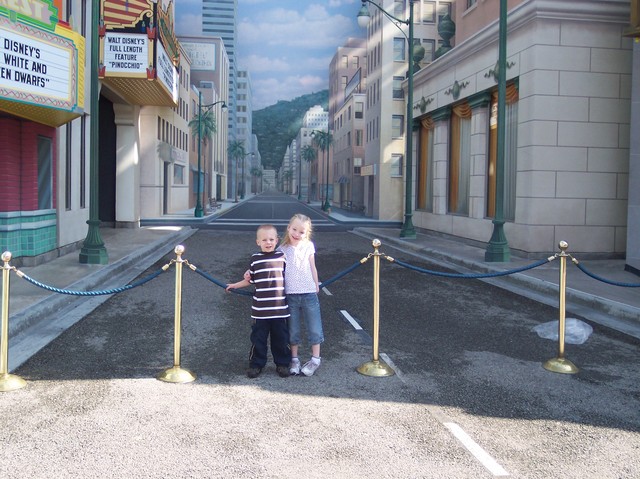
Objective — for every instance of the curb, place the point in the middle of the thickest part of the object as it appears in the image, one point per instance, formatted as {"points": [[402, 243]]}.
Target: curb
{"points": [[609, 313], [126, 268]]}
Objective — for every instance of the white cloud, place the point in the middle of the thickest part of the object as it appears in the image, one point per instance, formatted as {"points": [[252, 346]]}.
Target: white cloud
{"points": [[314, 28], [257, 63]]}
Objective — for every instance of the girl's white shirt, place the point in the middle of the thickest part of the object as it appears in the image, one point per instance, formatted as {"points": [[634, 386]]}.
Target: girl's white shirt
{"points": [[298, 277]]}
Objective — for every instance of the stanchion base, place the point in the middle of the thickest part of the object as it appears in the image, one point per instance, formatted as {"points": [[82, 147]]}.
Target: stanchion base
{"points": [[375, 368], [11, 382], [176, 375], [560, 365]]}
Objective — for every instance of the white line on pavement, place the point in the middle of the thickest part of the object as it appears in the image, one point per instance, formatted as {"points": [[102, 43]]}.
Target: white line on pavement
{"points": [[327, 292], [481, 455], [349, 318]]}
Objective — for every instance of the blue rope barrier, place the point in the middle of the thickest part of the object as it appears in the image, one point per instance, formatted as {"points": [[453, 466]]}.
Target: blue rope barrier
{"points": [[473, 275], [221, 284], [119, 289], [340, 275], [604, 280]]}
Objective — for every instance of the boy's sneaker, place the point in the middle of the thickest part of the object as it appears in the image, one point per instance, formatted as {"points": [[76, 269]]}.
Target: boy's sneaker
{"points": [[310, 367], [294, 367], [253, 372], [283, 371]]}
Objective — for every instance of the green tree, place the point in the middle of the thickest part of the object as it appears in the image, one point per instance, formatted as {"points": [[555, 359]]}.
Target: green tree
{"points": [[255, 174], [236, 152], [203, 126], [308, 154], [323, 140]]}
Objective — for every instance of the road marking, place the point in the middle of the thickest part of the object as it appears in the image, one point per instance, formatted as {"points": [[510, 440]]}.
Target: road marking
{"points": [[469, 444], [349, 318], [327, 292], [481, 455]]}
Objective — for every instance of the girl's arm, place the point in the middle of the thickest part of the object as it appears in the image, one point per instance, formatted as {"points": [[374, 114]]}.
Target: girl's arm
{"points": [[314, 271]]}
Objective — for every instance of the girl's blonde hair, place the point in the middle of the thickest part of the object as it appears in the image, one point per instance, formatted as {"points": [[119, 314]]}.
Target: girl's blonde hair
{"points": [[303, 219]]}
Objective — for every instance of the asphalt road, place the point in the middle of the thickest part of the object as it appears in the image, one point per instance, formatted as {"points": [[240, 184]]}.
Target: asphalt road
{"points": [[470, 398]]}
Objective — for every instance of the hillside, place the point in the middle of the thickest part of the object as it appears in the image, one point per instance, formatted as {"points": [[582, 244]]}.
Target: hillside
{"points": [[276, 125]]}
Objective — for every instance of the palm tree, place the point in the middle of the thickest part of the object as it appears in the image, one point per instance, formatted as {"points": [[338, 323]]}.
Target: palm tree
{"points": [[236, 152], [203, 125], [324, 139], [255, 174], [308, 154]]}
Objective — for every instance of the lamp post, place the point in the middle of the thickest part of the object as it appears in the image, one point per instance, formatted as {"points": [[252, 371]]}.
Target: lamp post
{"points": [[93, 250], [498, 247], [407, 231], [198, 211]]}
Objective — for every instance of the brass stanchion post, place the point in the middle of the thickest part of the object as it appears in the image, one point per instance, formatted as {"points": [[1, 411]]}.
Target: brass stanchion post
{"points": [[375, 367], [176, 374], [561, 364], [8, 382]]}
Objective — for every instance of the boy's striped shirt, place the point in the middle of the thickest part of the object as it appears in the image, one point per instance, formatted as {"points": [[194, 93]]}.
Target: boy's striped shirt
{"points": [[267, 275]]}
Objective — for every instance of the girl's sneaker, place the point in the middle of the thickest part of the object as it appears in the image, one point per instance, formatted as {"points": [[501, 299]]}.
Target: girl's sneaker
{"points": [[310, 367], [294, 367]]}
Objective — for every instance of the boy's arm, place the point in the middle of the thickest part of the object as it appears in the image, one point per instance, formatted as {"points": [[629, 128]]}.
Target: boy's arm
{"points": [[240, 284]]}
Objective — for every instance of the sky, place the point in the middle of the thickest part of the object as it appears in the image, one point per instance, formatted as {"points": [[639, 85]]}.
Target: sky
{"points": [[286, 45]]}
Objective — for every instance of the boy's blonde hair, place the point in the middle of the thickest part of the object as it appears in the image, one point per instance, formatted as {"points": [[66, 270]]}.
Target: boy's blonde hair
{"points": [[303, 219], [266, 227]]}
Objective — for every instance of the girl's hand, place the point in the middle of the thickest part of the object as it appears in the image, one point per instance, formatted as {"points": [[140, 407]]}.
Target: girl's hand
{"points": [[247, 275]]}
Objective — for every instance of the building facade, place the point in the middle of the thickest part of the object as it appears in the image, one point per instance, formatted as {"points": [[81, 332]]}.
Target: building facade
{"points": [[567, 122]]}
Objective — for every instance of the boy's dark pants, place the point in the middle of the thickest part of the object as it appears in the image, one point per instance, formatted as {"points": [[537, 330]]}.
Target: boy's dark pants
{"points": [[260, 331]]}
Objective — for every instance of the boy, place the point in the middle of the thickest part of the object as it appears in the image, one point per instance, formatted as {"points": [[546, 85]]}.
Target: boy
{"points": [[269, 309]]}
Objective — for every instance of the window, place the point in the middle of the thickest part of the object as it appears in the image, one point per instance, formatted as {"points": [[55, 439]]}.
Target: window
{"points": [[397, 126], [359, 109], [396, 165], [425, 172], [345, 61], [358, 137], [178, 174], [398, 50], [429, 12], [357, 165], [45, 175], [398, 93], [471, 3], [444, 8], [398, 8], [355, 62], [510, 154], [460, 159], [429, 45]]}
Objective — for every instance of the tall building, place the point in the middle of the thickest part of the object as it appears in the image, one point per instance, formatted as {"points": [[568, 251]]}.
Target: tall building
{"points": [[347, 82], [316, 118], [385, 109], [219, 20], [244, 129]]}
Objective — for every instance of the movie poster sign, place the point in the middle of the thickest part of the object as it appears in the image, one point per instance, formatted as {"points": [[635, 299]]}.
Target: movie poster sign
{"points": [[126, 54]]}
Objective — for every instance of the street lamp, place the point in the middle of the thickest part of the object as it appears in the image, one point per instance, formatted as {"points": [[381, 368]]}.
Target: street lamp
{"points": [[364, 16], [498, 247], [252, 154], [93, 250], [198, 212]]}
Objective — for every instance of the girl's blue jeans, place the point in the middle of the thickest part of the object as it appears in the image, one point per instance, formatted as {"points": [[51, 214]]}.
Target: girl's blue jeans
{"points": [[305, 306]]}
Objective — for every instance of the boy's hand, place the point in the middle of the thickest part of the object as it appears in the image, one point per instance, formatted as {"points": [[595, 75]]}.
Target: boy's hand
{"points": [[228, 288]]}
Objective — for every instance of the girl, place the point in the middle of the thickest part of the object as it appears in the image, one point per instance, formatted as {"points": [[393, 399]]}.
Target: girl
{"points": [[301, 287]]}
